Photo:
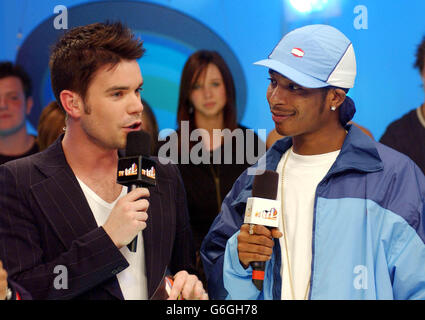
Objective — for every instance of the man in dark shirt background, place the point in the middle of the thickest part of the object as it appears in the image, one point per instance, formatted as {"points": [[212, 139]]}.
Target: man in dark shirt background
{"points": [[407, 134], [15, 104]]}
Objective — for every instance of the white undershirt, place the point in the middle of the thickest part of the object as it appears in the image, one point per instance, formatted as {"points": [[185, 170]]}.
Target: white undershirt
{"points": [[132, 280], [301, 177]]}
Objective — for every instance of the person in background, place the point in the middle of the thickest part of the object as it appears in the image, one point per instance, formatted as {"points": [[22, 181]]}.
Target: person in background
{"points": [[15, 105], [150, 125], [273, 136], [51, 125], [407, 134], [207, 101]]}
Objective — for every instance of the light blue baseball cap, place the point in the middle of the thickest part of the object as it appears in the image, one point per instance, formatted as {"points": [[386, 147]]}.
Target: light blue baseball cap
{"points": [[314, 56]]}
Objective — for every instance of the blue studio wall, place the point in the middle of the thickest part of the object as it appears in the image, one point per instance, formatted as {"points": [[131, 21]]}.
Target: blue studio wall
{"points": [[244, 31]]}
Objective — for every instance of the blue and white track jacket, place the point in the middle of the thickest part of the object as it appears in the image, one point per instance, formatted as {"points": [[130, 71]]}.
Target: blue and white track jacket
{"points": [[368, 229]]}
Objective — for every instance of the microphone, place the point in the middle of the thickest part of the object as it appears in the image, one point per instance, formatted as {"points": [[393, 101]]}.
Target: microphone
{"points": [[262, 209], [136, 169]]}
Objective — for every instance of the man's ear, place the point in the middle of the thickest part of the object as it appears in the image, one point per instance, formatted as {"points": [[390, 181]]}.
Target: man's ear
{"points": [[71, 103], [336, 97], [29, 103]]}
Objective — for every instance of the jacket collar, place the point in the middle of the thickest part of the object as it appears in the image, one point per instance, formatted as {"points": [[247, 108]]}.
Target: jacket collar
{"points": [[52, 160], [358, 153]]}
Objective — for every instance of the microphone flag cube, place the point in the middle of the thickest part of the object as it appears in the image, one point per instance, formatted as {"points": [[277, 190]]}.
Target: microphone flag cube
{"points": [[262, 211], [136, 170]]}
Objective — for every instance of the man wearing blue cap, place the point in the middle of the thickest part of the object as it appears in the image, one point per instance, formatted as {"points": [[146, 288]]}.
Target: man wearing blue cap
{"points": [[352, 221]]}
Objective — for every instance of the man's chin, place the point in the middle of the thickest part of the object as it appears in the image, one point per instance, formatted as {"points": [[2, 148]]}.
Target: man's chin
{"points": [[283, 131], [120, 142], [121, 145], [115, 145]]}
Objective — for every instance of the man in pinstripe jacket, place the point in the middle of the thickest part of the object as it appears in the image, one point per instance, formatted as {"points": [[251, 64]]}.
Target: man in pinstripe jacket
{"points": [[64, 221]]}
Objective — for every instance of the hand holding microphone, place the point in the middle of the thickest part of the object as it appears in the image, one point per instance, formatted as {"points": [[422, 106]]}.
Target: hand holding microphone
{"points": [[128, 217], [136, 171], [255, 240], [257, 246]]}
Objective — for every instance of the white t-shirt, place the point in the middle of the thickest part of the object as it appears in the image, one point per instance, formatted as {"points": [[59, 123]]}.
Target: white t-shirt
{"points": [[132, 280], [301, 176]]}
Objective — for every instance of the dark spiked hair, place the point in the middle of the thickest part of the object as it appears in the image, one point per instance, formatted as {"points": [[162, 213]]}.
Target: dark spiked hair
{"points": [[80, 52]]}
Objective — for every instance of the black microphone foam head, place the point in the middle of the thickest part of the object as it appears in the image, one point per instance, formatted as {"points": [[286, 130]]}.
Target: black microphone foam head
{"points": [[265, 185], [138, 144]]}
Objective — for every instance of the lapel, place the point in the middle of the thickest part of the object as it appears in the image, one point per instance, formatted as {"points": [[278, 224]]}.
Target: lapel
{"points": [[63, 203], [148, 243], [155, 225]]}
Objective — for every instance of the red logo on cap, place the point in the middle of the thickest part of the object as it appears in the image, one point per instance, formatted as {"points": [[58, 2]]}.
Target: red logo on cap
{"points": [[297, 52]]}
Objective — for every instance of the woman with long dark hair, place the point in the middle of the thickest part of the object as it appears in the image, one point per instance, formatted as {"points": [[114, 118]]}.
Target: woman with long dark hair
{"points": [[207, 104]]}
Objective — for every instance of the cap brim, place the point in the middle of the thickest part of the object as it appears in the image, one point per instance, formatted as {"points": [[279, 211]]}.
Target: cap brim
{"points": [[290, 73]]}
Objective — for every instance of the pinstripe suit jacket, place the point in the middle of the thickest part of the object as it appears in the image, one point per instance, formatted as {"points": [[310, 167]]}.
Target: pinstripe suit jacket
{"points": [[45, 222]]}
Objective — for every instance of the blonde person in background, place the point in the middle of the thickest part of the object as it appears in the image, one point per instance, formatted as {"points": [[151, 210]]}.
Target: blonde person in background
{"points": [[50, 125]]}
